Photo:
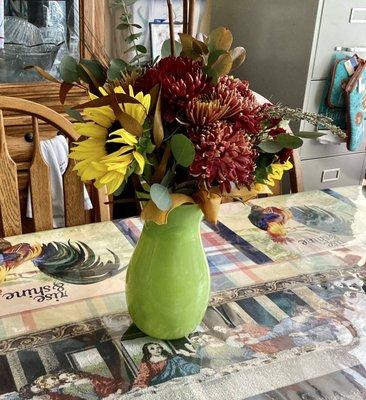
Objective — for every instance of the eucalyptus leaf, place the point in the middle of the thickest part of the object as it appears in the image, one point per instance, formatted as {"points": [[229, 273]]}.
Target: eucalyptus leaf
{"points": [[161, 197], [69, 69], [94, 70], [270, 146], [74, 114], [182, 149], [165, 48], [117, 65], [309, 135], [134, 36], [142, 49], [289, 141]]}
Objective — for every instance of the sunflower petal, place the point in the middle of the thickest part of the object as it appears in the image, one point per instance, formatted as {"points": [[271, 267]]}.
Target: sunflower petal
{"points": [[140, 161]]}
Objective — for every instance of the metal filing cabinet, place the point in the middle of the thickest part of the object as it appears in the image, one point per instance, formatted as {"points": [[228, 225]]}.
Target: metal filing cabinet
{"points": [[290, 46]]}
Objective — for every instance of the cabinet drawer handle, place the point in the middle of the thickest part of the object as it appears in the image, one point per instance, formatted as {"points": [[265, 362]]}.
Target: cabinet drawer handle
{"points": [[330, 175]]}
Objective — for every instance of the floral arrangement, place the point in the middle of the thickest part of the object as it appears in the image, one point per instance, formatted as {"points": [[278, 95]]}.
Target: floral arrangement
{"points": [[183, 129]]}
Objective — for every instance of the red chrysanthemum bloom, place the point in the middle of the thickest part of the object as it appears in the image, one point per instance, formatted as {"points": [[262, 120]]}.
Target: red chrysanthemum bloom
{"points": [[181, 80], [224, 156], [243, 108]]}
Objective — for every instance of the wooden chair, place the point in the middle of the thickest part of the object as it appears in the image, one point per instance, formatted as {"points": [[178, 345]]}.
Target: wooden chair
{"points": [[10, 215]]}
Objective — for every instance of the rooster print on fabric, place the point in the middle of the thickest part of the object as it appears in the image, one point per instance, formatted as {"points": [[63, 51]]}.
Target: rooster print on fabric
{"points": [[273, 220], [67, 262]]}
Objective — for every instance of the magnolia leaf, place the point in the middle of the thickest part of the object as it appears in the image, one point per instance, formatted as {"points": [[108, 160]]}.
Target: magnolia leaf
{"points": [[152, 213], [270, 146], [309, 135], [187, 46], [222, 65], [74, 114], [160, 170], [238, 55], [44, 74], [130, 124], [69, 69], [116, 66], [199, 47], [165, 48], [154, 95], [289, 141], [220, 39], [107, 100], [182, 149], [142, 49], [127, 122], [160, 196], [158, 128], [64, 90]]}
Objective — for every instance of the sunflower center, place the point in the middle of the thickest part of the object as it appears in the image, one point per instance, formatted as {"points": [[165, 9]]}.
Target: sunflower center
{"points": [[111, 147]]}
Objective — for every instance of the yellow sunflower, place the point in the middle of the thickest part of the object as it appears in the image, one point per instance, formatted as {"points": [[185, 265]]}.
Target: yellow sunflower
{"points": [[109, 150], [277, 172]]}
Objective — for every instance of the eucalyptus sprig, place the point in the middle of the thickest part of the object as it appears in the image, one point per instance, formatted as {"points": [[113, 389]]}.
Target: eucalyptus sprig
{"points": [[296, 114], [127, 25]]}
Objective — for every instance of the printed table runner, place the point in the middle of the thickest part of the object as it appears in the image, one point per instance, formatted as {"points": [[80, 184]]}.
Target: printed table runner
{"points": [[286, 319]]}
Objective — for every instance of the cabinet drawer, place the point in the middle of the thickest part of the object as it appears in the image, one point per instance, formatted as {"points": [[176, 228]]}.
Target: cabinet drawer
{"points": [[312, 148], [329, 172], [343, 24]]}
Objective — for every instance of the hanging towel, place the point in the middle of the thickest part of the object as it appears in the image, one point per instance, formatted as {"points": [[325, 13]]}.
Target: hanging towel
{"points": [[55, 152]]}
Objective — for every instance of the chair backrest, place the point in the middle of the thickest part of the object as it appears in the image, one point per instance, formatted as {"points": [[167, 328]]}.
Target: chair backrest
{"points": [[40, 184]]}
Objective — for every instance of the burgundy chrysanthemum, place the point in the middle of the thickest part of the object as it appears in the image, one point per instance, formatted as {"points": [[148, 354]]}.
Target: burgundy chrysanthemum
{"points": [[243, 109], [224, 156], [181, 80]]}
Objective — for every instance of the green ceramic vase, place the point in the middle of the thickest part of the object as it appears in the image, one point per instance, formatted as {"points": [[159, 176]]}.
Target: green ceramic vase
{"points": [[168, 279]]}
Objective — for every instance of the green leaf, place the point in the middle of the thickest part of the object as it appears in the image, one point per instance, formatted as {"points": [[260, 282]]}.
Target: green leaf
{"points": [[309, 135], [182, 149], [117, 65], [160, 196], [69, 69], [166, 181], [222, 65], [214, 55], [165, 48], [142, 49], [143, 195], [74, 114], [270, 146], [289, 141], [220, 39], [133, 37], [94, 70]]}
